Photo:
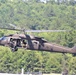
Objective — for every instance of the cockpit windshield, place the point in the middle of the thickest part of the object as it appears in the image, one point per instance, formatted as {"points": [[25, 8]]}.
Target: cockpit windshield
{"points": [[3, 38]]}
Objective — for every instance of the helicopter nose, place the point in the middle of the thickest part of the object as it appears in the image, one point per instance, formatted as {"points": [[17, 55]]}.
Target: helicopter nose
{"points": [[2, 39]]}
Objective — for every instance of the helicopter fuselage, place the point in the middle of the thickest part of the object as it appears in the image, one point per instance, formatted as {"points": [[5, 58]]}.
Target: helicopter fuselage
{"points": [[29, 42]]}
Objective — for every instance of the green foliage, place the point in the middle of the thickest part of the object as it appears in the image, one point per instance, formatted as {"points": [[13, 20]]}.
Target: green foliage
{"points": [[37, 15]]}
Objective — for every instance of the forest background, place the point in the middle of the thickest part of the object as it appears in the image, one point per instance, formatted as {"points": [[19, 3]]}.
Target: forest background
{"points": [[35, 15]]}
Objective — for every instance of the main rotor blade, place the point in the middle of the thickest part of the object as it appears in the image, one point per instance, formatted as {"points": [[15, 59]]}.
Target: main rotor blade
{"points": [[11, 29], [46, 30], [35, 30], [14, 26]]}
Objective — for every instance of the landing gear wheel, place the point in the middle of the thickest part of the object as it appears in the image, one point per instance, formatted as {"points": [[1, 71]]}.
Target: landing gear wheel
{"points": [[14, 49]]}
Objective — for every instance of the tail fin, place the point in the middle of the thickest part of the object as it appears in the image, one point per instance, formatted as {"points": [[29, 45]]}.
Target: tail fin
{"points": [[74, 48]]}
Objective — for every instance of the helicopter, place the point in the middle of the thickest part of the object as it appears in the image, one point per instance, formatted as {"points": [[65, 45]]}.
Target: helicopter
{"points": [[29, 42]]}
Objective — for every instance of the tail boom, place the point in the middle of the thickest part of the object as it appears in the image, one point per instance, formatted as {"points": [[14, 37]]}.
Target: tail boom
{"points": [[50, 47]]}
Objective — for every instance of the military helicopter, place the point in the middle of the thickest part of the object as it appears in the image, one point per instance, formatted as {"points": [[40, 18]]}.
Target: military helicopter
{"points": [[16, 41]]}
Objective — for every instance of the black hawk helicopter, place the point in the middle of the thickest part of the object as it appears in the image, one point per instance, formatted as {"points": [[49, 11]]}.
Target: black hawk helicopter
{"points": [[15, 41]]}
